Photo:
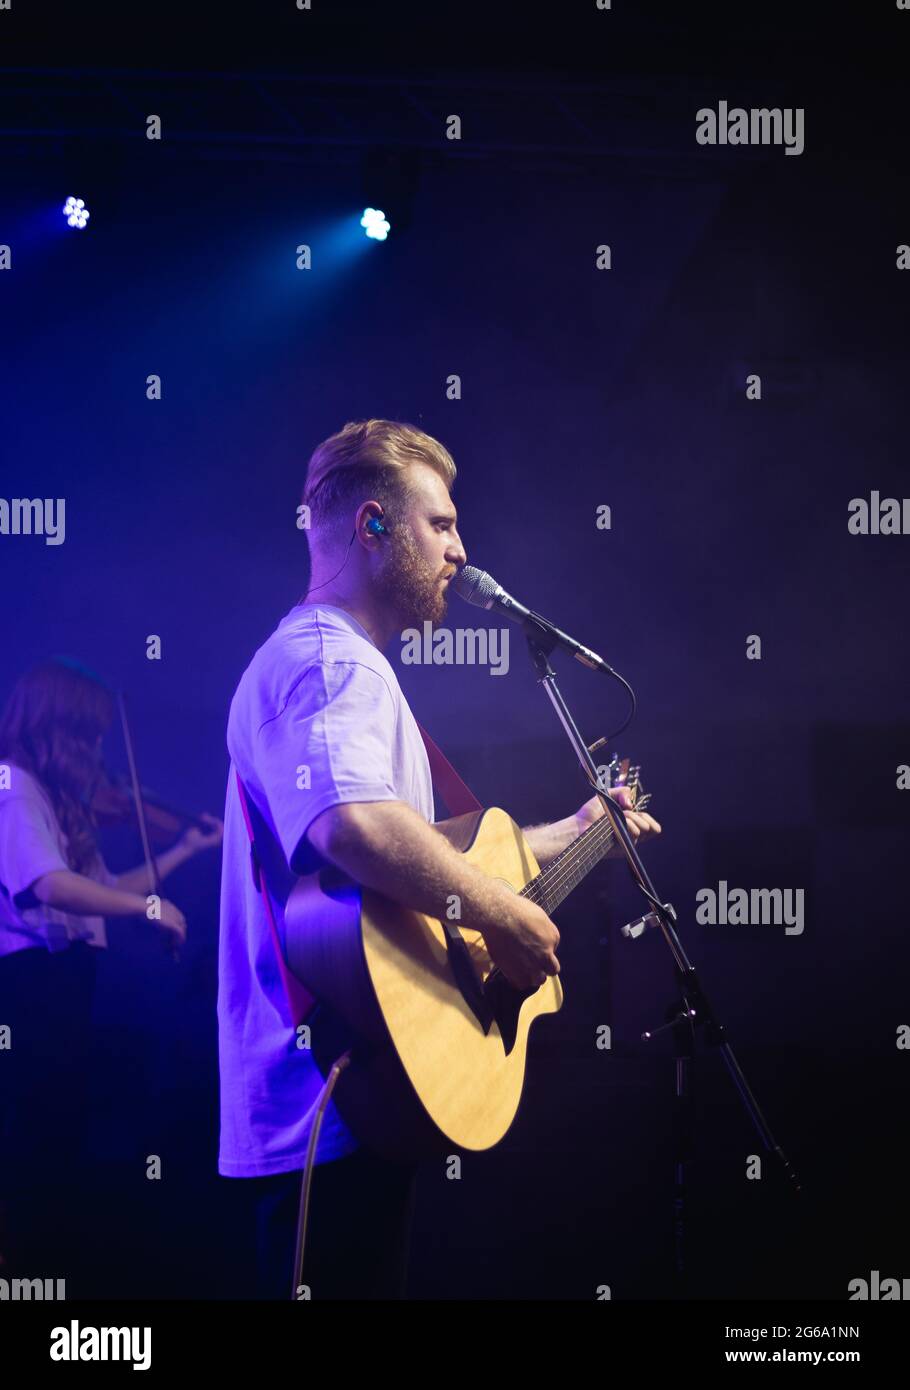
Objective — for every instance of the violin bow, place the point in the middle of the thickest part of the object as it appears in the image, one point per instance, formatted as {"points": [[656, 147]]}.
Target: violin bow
{"points": [[150, 862]]}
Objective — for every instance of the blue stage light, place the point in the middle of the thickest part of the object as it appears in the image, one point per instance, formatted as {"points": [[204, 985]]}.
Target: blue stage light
{"points": [[374, 223], [75, 212]]}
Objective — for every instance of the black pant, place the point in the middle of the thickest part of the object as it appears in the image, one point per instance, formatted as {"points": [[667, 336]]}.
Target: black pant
{"points": [[358, 1230], [46, 1000]]}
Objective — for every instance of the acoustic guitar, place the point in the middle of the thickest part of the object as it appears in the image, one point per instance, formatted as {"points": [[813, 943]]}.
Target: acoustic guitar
{"points": [[438, 1036]]}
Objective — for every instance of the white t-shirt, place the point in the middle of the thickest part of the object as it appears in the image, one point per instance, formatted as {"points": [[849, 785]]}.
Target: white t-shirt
{"points": [[319, 696], [31, 844]]}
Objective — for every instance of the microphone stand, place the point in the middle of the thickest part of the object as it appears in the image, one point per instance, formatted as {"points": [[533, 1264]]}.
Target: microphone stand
{"points": [[689, 1012]]}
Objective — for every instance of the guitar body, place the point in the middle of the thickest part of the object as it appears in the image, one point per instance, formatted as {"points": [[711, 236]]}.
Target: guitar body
{"points": [[427, 1073]]}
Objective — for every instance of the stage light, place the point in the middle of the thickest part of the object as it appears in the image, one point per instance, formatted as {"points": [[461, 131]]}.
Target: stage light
{"points": [[374, 223], [75, 212]]}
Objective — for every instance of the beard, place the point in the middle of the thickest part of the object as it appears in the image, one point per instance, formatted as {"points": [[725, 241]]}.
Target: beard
{"points": [[410, 587]]}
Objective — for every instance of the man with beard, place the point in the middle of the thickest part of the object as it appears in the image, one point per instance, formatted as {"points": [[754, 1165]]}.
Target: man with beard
{"points": [[336, 772]]}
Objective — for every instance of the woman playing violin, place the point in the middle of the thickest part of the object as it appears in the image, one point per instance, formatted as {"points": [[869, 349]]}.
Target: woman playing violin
{"points": [[55, 892]]}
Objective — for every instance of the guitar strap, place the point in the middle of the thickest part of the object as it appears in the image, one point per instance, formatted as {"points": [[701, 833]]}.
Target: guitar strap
{"points": [[456, 795], [458, 799]]}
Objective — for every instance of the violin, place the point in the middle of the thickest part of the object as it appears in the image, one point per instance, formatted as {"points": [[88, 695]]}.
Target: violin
{"points": [[114, 803]]}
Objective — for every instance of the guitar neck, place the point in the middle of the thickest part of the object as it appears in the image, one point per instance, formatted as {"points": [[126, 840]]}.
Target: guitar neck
{"points": [[566, 871]]}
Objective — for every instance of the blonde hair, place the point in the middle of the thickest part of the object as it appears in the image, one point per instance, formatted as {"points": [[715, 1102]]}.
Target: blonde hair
{"points": [[370, 458]]}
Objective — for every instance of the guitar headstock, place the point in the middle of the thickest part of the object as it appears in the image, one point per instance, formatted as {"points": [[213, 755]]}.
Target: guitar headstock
{"points": [[620, 772]]}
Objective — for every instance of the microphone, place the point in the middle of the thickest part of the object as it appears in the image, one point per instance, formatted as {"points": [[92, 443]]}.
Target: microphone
{"points": [[476, 586]]}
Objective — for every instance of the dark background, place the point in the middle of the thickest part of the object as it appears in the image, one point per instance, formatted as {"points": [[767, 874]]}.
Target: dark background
{"points": [[580, 388]]}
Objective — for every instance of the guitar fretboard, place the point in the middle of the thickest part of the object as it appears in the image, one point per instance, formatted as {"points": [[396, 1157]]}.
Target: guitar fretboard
{"points": [[566, 871]]}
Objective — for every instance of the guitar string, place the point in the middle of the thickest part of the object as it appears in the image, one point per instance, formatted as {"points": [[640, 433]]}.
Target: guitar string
{"points": [[558, 875], [554, 875], [584, 852], [584, 856]]}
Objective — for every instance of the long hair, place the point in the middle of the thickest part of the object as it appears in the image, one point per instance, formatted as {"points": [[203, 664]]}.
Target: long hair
{"points": [[50, 727]]}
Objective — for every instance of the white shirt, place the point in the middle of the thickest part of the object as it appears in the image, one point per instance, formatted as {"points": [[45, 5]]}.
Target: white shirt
{"points": [[31, 844], [317, 720]]}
